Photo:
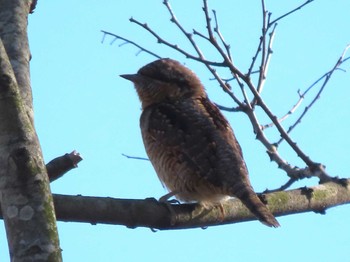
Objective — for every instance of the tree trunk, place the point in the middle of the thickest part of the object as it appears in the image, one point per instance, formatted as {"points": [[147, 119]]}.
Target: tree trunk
{"points": [[26, 200]]}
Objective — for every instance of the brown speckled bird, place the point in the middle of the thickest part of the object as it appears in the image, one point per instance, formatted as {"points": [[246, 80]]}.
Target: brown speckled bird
{"points": [[189, 142]]}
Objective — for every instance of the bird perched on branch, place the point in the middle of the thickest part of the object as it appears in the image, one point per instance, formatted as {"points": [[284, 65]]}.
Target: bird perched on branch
{"points": [[189, 142]]}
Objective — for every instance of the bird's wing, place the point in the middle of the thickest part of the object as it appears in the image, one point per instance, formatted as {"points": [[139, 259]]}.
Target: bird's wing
{"points": [[198, 135]]}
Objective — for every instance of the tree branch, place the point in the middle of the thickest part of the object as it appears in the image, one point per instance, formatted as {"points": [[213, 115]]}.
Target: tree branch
{"points": [[326, 77], [127, 41], [160, 40], [290, 12], [60, 165], [153, 214]]}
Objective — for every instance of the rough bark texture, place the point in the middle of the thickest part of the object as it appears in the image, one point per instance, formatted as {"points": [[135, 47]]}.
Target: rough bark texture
{"points": [[26, 200], [13, 32]]}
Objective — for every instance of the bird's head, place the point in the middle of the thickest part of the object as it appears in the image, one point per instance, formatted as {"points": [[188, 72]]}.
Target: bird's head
{"points": [[165, 79]]}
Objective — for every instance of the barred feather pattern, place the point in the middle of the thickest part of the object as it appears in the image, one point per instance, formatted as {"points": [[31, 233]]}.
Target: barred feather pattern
{"points": [[190, 143]]}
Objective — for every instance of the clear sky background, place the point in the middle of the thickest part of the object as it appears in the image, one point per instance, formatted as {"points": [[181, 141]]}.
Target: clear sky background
{"points": [[81, 103]]}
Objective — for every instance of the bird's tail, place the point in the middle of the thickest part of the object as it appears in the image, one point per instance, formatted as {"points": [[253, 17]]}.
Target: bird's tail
{"points": [[254, 204]]}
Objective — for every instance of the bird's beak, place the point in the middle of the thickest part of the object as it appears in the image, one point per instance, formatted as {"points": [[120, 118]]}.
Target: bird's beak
{"points": [[132, 77]]}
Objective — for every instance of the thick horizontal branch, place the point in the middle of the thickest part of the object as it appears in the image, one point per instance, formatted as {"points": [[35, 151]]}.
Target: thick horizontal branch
{"points": [[153, 214]]}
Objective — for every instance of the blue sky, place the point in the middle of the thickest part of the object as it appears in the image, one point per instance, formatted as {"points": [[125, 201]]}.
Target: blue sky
{"points": [[81, 103]]}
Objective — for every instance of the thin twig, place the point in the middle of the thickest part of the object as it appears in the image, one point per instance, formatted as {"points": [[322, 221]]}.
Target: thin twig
{"points": [[226, 57], [201, 57], [288, 184], [228, 109], [217, 30], [288, 13], [208, 19], [300, 100], [258, 50], [173, 46], [272, 151], [262, 75], [127, 41], [268, 25], [298, 103], [290, 112], [327, 77], [268, 58], [135, 157], [188, 35], [316, 168], [281, 130]]}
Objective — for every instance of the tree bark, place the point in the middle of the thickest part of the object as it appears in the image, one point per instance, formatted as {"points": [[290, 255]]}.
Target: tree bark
{"points": [[26, 200]]}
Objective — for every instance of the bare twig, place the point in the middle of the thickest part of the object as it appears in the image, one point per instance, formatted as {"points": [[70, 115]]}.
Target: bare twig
{"points": [[229, 109], [289, 13], [290, 182], [135, 157], [326, 77], [302, 95], [201, 57], [262, 75], [208, 20], [258, 50], [281, 130], [292, 171], [226, 56], [127, 41], [217, 30], [174, 20], [265, 50], [268, 59], [174, 46], [315, 168], [290, 112]]}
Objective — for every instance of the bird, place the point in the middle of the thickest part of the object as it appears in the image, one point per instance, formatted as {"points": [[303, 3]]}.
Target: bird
{"points": [[189, 142]]}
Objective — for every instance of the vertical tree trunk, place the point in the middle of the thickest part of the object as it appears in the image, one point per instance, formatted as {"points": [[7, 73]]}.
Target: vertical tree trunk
{"points": [[26, 200]]}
